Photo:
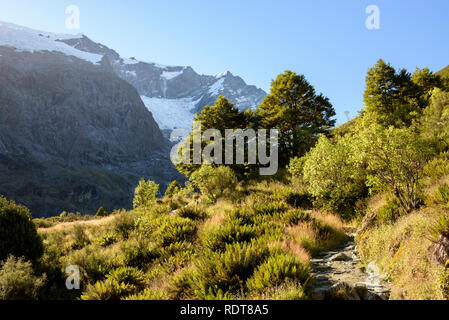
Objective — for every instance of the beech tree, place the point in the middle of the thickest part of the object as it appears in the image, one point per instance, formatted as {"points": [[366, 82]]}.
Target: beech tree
{"points": [[297, 111]]}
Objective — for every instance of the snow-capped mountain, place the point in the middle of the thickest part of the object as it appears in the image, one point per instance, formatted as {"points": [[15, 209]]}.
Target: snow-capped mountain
{"points": [[73, 134], [173, 93]]}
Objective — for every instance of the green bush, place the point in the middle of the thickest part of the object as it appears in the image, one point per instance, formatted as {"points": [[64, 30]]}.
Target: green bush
{"points": [[147, 295], [389, 212], [276, 270], [299, 200], [80, 237], [94, 264], [441, 227], [106, 240], [214, 181], [437, 168], [173, 229], [267, 207], [145, 193], [108, 289], [101, 212], [138, 252], [233, 231], [128, 275], [17, 280], [192, 213], [226, 272], [444, 282], [441, 195], [124, 223], [172, 189], [294, 216], [18, 234]]}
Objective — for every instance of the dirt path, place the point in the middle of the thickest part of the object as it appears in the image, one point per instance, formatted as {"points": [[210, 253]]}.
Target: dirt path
{"points": [[339, 274]]}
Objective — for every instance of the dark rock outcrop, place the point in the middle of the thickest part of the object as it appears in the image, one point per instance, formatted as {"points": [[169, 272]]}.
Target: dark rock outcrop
{"points": [[73, 135]]}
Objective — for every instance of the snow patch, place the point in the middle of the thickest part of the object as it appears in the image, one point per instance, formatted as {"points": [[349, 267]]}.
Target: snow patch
{"points": [[130, 61], [171, 113], [171, 74], [217, 87], [221, 74], [26, 39]]}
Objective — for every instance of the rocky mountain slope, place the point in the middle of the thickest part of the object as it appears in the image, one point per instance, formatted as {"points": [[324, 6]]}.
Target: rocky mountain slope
{"points": [[75, 131], [73, 135], [173, 94]]}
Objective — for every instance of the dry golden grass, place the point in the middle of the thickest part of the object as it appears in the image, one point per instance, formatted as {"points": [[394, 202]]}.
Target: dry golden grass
{"points": [[401, 251], [68, 225], [297, 250]]}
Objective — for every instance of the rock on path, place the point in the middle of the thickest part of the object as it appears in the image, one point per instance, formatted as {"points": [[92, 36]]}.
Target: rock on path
{"points": [[338, 275]]}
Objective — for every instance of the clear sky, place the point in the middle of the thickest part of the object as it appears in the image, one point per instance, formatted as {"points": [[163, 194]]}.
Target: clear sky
{"points": [[326, 40]]}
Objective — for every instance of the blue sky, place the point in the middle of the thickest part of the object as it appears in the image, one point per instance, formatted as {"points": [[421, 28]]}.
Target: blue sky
{"points": [[325, 40]]}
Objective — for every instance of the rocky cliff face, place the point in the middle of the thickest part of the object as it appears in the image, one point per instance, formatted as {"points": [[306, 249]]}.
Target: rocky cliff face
{"points": [[75, 128], [73, 135]]}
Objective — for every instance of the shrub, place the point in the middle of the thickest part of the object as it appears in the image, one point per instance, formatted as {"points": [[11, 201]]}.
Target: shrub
{"points": [[108, 289], [147, 295], [441, 227], [138, 252], [18, 234], [192, 213], [173, 189], [395, 161], [94, 264], [214, 181], [101, 212], [124, 223], [233, 231], [268, 207], [299, 200], [441, 195], [226, 272], [106, 240], [332, 175], [296, 166], [145, 193], [128, 275], [17, 280], [276, 270], [437, 168], [444, 282], [294, 216], [80, 237], [173, 229], [389, 212]]}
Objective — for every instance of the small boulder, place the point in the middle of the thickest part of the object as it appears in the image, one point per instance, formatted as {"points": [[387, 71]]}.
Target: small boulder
{"points": [[340, 257]]}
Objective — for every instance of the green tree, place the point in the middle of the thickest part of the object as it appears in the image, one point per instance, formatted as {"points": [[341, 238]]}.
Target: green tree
{"points": [[395, 159], [214, 181], [331, 173], [101, 212], [388, 95], [173, 189], [221, 116], [435, 120], [18, 234], [145, 193], [300, 115]]}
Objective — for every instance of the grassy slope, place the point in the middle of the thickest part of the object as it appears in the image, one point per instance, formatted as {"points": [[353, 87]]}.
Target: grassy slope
{"points": [[444, 72], [401, 249], [227, 253]]}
